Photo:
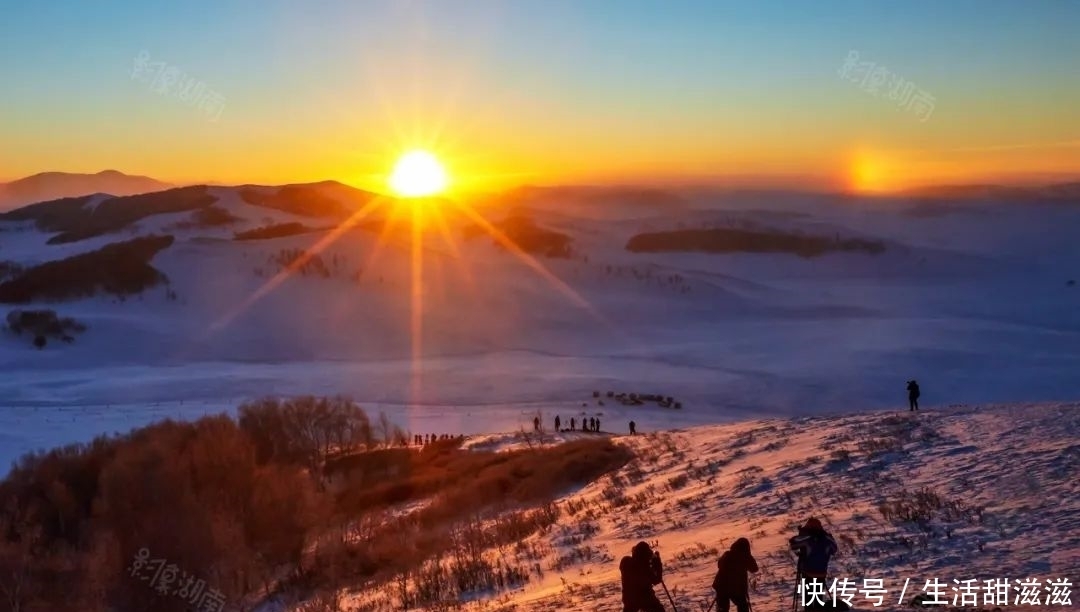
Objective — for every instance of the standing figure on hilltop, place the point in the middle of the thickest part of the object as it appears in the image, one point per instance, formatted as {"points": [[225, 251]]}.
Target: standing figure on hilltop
{"points": [[640, 572], [732, 577], [572, 423], [558, 423], [536, 423], [913, 395], [814, 548], [598, 424], [633, 428]]}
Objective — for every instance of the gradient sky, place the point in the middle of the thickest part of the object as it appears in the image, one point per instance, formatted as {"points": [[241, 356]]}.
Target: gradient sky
{"points": [[531, 91]]}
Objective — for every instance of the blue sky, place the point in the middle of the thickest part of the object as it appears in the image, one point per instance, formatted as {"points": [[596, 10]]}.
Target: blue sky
{"points": [[621, 76]]}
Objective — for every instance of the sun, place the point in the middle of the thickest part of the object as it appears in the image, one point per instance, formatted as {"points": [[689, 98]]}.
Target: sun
{"points": [[871, 173], [418, 174]]}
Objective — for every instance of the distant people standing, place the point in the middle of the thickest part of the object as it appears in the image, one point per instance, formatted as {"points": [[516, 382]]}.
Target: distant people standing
{"points": [[592, 424], [633, 428], [558, 422], [597, 424], [536, 423], [913, 395], [572, 424]]}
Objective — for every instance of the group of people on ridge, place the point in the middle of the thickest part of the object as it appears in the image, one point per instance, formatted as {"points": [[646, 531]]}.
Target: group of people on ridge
{"points": [[590, 424], [813, 547]]}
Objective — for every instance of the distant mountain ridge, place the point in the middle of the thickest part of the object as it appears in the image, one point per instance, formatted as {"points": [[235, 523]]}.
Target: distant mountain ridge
{"points": [[1054, 192], [72, 219], [55, 185]]}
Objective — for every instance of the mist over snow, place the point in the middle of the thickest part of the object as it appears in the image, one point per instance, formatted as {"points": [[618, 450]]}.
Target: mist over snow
{"points": [[971, 300]]}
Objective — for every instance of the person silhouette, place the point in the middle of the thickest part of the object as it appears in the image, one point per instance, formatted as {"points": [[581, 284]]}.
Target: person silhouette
{"points": [[633, 428], [913, 395]]}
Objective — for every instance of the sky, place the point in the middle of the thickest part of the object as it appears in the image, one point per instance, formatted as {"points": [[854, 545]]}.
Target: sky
{"points": [[545, 92]]}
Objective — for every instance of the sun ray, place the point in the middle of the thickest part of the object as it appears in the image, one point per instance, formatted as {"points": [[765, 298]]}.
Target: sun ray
{"points": [[384, 236], [416, 308], [297, 264], [530, 261], [448, 239]]}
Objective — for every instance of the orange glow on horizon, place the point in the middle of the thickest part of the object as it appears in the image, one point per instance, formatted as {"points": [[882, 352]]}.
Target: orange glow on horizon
{"points": [[870, 173]]}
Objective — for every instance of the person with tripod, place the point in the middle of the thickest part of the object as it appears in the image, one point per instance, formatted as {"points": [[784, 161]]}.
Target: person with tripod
{"points": [[814, 548], [732, 577], [913, 395], [640, 572]]}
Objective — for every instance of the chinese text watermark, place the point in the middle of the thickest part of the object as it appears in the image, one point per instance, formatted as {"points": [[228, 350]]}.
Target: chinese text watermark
{"points": [[168, 80], [878, 80], [169, 580]]}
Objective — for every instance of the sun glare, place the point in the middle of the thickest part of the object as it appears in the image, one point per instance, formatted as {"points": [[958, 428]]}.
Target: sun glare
{"points": [[871, 174], [418, 174]]}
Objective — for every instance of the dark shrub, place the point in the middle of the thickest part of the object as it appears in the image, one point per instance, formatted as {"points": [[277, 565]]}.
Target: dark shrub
{"points": [[328, 199], [279, 230], [43, 324], [534, 239], [120, 268], [747, 241], [211, 216], [296, 199]]}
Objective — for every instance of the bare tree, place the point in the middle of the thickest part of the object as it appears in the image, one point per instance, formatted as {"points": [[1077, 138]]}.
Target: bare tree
{"points": [[18, 544], [386, 429]]}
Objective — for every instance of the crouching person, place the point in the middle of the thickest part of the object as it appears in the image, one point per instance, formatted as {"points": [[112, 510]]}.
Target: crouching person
{"points": [[732, 577], [640, 572]]}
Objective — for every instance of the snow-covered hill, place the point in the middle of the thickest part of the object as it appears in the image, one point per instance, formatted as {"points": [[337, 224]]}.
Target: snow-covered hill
{"points": [[965, 493], [975, 304]]}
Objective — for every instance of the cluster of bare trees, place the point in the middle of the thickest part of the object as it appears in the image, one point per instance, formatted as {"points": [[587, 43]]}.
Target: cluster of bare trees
{"points": [[42, 325], [638, 399], [673, 281], [305, 430], [232, 502], [310, 265]]}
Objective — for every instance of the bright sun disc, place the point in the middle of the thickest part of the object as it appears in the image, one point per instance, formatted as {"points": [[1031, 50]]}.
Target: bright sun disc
{"points": [[418, 174]]}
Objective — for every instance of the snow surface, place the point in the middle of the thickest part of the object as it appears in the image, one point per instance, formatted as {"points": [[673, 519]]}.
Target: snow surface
{"points": [[1013, 471], [972, 303]]}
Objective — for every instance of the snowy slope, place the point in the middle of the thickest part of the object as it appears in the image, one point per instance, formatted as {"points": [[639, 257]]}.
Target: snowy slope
{"points": [[1003, 484], [974, 305]]}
